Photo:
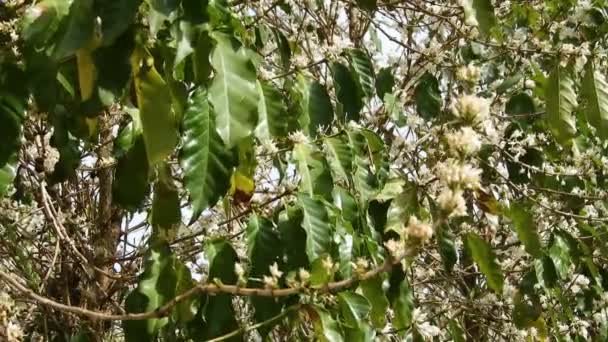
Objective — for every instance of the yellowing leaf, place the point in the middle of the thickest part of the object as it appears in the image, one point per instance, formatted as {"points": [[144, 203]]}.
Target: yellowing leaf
{"points": [[154, 102], [87, 73]]}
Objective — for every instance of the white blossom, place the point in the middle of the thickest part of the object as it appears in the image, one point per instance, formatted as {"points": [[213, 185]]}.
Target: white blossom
{"points": [[452, 202], [465, 141], [274, 270], [469, 73], [471, 109], [419, 230]]}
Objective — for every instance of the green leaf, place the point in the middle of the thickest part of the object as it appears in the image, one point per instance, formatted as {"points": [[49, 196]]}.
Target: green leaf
{"points": [[220, 317], [484, 13], [200, 58], [520, 104], [339, 156], [154, 289], [185, 310], [80, 28], [116, 17], [272, 113], [315, 176], [283, 46], [372, 290], [401, 208], [559, 252], [485, 259], [385, 81], [156, 113], [363, 71], [354, 308], [294, 237], [456, 331], [12, 114], [166, 212], [526, 228], [206, 162], [428, 97], [326, 328], [595, 94], [264, 249], [316, 110], [347, 92], [447, 248], [403, 306], [233, 91], [368, 5], [561, 102], [41, 22], [130, 185], [316, 225], [509, 82], [546, 272], [7, 174]]}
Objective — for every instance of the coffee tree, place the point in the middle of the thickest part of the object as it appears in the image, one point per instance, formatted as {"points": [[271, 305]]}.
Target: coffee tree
{"points": [[283, 170]]}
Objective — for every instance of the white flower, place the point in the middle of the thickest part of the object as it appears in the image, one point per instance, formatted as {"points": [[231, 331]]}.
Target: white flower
{"points": [[465, 141], [52, 157], [274, 270], [426, 329], [471, 109], [529, 84], [361, 265], [394, 247], [304, 275], [238, 270], [13, 332], [454, 173], [270, 282], [298, 137], [452, 202], [469, 73], [419, 230], [328, 264]]}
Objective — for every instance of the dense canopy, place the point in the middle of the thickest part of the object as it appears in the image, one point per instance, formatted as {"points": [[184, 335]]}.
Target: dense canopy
{"points": [[293, 170]]}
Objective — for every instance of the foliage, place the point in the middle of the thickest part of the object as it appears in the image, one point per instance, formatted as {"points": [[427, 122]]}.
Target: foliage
{"points": [[177, 170]]}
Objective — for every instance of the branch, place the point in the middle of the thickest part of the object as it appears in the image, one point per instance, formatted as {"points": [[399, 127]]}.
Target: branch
{"points": [[202, 288]]}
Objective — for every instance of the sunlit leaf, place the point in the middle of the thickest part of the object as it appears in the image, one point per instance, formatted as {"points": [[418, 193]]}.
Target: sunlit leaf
{"points": [[485, 259]]}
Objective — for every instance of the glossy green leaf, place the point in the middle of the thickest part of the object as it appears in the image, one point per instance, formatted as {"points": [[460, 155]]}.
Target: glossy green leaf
{"points": [[186, 309], [80, 29], [116, 17], [206, 161], [130, 185], [201, 64], [40, 22], [12, 114], [220, 317], [315, 175], [428, 97], [340, 157], [520, 104], [283, 46], [482, 253], [385, 81], [233, 91], [363, 71], [403, 306], [316, 110], [347, 92], [155, 110], [595, 94], [559, 252], [508, 83], [166, 210], [294, 237], [7, 174], [447, 248], [456, 331], [264, 248], [372, 290], [326, 327], [273, 122], [524, 225], [154, 289], [484, 13], [561, 102], [545, 271], [316, 224], [354, 308]]}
